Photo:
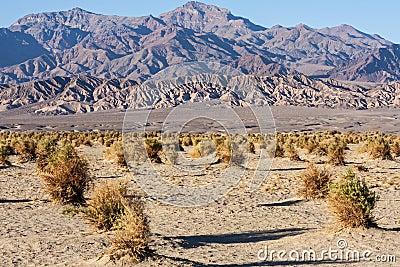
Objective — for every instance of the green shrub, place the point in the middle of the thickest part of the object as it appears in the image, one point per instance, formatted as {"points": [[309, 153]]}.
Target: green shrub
{"points": [[351, 201]]}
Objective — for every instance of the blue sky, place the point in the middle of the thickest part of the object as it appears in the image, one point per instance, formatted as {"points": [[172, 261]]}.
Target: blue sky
{"points": [[371, 16]]}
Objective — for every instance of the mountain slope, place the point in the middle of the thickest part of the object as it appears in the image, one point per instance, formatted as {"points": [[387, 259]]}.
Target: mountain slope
{"points": [[381, 65], [17, 47], [80, 42], [81, 94]]}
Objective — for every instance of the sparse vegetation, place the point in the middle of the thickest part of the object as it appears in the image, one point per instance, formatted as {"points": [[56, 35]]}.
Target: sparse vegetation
{"points": [[115, 153], [336, 151], [153, 146], [378, 148]]}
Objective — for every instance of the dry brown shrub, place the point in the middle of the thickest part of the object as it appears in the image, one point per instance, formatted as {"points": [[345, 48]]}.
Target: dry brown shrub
{"points": [[336, 152], [377, 147], [291, 152], [66, 176], [314, 182], [131, 243], [115, 153], [106, 205], [153, 147], [25, 149], [5, 152]]}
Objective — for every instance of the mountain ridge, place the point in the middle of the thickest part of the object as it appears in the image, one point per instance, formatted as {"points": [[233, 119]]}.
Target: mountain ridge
{"points": [[82, 94], [77, 42]]}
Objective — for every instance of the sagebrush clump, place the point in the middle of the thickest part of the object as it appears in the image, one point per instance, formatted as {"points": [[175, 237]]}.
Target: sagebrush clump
{"points": [[115, 153], [153, 147]]}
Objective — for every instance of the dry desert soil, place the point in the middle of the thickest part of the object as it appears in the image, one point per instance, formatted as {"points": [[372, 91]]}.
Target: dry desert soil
{"points": [[230, 231]]}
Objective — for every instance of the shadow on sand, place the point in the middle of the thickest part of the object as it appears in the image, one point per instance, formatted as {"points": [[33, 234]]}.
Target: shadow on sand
{"points": [[246, 237], [281, 204], [15, 200]]}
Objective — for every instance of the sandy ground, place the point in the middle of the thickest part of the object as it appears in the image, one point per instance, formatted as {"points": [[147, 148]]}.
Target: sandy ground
{"points": [[229, 232], [287, 118]]}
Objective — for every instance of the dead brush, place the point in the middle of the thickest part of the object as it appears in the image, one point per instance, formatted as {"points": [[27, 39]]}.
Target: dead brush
{"points": [[115, 153], [106, 205], [66, 176], [5, 152], [224, 149], [290, 151], [350, 201], [377, 148], [25, 149], [131, 242], [336, 152], [314, 182], [395, 147], [153, 147]]}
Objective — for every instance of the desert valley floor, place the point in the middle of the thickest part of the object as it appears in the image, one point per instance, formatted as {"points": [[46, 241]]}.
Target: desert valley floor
{"points": [[229, 232]]}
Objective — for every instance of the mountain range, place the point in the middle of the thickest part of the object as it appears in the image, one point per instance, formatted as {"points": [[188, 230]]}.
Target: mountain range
{"points": [[67, 43], [77, 61]]}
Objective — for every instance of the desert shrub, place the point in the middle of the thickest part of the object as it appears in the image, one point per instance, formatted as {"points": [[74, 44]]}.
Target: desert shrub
{"points": [[224, 150], [187, 141], [131, 243], [26, 150], [195, 152], [351, 202], [291, 152], [5, 152], [278, 150], [44, 151], [204, 148], [153, 146], [106, 205], [314, 182], [252, 148], [115, 153], [377, 148], [336, 152], [395, 148], [66, 175]]}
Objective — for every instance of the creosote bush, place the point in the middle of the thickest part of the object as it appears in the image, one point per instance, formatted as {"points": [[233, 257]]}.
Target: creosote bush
{"points": [[131, 242], [66, 175], [25, 149], [106, 205], [314, 182], [351, 202]]}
